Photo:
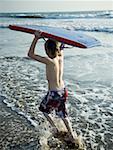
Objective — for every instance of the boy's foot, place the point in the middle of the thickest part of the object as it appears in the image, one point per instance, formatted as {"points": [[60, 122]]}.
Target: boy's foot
{"points": [[77, 141], [70, 138], [55, 131], [59, 134]]}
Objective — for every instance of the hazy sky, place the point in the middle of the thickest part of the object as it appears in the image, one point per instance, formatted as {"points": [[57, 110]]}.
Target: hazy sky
{"points": [[54, 5]]}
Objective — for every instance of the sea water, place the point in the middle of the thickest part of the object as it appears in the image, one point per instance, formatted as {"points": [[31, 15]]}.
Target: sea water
{"points": [[88, 73]]}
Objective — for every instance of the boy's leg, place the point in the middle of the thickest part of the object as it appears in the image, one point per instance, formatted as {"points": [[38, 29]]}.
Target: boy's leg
{"points": [[69, 128], [73, 136], [51, 122]]}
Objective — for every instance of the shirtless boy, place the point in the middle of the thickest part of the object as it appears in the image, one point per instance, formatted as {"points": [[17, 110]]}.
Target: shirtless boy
{"points": [[57, 93]]}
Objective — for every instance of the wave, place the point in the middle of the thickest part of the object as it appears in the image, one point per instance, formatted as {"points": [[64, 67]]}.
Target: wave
{"points": [[78, 28], [100, 21], [28, 16], [96, 29], [20, 15], [60, 15]]}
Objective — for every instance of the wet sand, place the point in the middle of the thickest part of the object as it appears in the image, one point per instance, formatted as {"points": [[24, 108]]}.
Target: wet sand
{"points": [[16, 133]]}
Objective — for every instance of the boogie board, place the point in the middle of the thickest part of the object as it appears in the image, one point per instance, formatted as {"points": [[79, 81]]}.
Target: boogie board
{"points": [[74, 38]]}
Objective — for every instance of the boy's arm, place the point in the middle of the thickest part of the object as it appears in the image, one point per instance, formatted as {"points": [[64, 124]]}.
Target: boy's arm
{"points": [[31, 52], [62, 53]]}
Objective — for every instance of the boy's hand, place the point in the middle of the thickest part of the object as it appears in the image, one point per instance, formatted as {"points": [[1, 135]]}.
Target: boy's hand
{"points": [[38, 34]]}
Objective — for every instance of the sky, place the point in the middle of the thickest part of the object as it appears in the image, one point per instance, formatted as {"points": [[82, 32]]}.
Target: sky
{"points": [[54, 5]]}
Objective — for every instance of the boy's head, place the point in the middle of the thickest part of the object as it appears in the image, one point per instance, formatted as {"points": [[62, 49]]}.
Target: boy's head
{"points": [[52, 48]]}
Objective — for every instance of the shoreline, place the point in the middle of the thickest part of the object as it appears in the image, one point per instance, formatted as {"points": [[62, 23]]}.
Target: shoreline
{"points": [[15, 131]]}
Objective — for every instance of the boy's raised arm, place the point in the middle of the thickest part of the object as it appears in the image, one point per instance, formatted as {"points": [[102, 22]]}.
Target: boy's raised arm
{"points": [[31, 52], [33, 44]]}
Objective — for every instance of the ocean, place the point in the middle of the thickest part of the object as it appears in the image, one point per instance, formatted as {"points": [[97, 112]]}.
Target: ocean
{"points": [[88, 74]]}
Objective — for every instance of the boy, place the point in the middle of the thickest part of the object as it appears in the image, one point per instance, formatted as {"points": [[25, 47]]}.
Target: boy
{"points": [[57, 94]]}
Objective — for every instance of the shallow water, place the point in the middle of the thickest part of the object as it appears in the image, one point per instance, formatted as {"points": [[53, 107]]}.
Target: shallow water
{"points": [[90, 101]]}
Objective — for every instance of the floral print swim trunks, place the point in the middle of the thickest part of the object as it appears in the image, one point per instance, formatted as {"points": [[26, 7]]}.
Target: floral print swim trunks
{"points": [[55, 100]]}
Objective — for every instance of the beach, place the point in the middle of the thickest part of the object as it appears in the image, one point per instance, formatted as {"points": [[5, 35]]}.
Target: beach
{"points": [[88, 75], [15, 131]]}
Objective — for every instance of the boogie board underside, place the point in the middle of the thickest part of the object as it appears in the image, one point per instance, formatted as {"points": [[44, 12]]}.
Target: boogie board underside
{"points": [[74, 38]]}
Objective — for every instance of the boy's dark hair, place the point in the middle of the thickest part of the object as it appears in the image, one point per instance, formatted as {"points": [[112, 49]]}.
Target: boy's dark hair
{"points": [[53, 47]]}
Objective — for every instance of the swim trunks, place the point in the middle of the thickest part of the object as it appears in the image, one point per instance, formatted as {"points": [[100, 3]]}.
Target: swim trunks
{"points": [[55, 100]]}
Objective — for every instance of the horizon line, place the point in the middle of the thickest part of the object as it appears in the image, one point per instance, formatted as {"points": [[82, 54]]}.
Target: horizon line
{"points": [[55, 11]]}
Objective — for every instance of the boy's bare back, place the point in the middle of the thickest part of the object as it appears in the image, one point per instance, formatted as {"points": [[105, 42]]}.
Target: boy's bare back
{"points": [[54, 73]]}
